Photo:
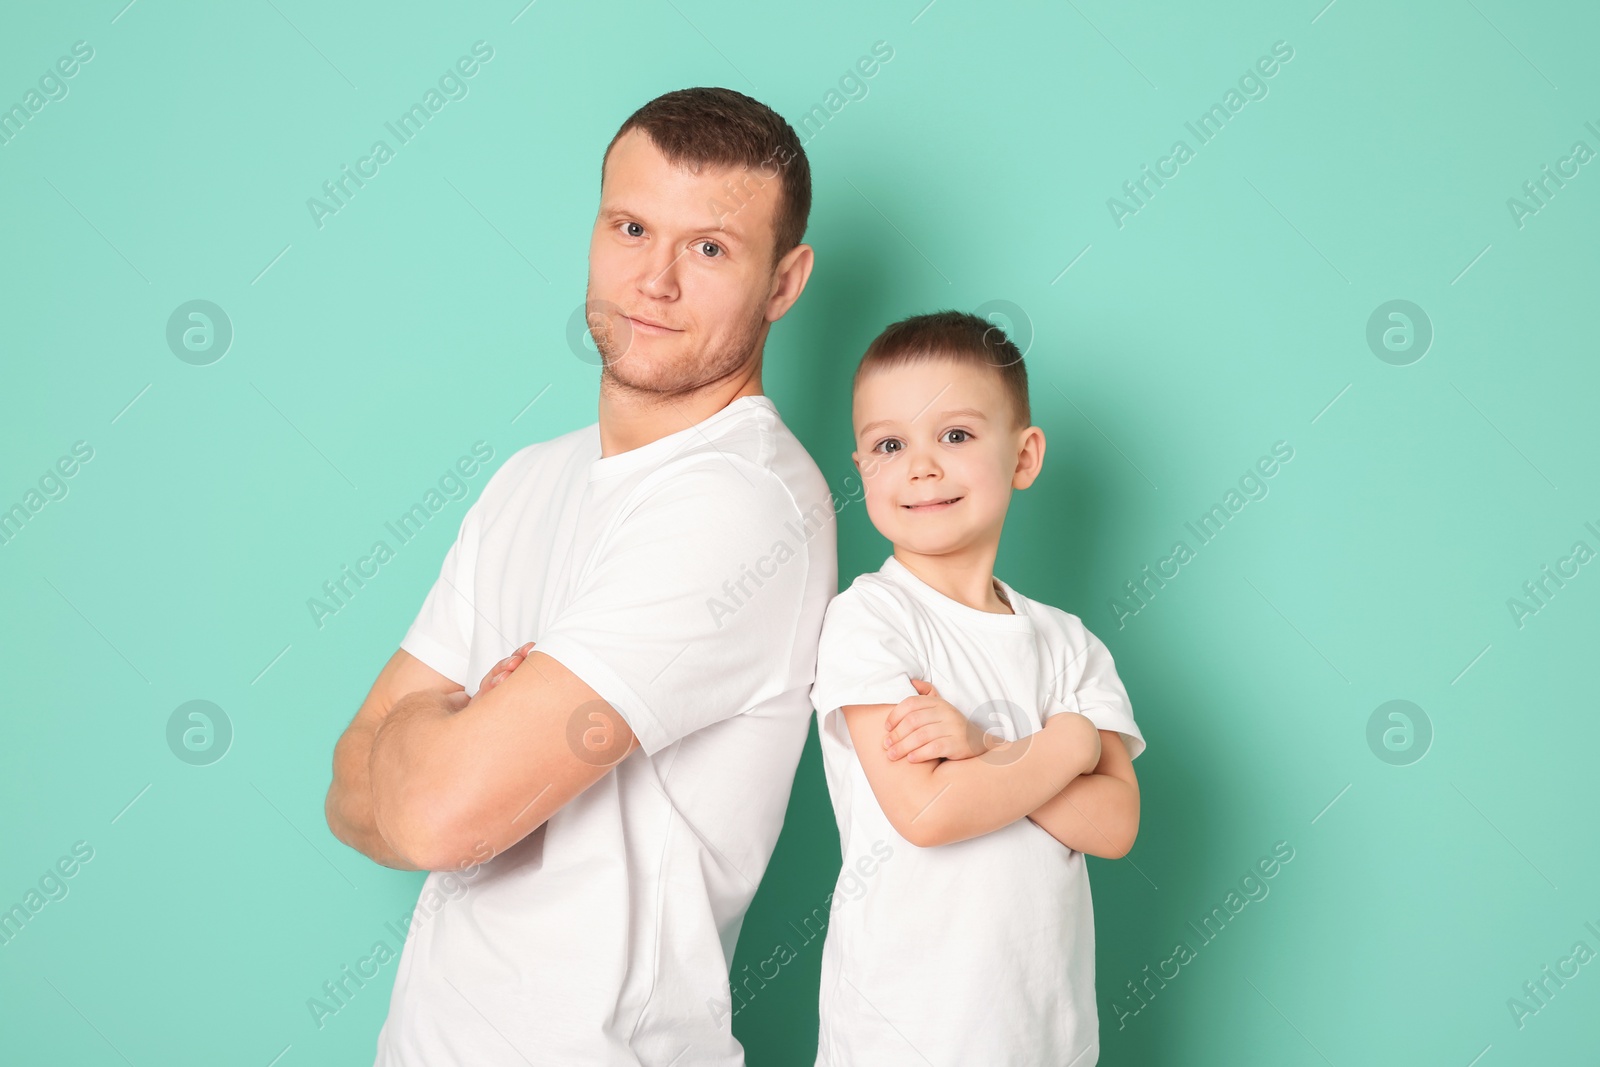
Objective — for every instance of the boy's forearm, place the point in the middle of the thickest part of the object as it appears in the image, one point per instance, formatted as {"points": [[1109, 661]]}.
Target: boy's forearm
{"points": [[980, 795], [1095, 813]]}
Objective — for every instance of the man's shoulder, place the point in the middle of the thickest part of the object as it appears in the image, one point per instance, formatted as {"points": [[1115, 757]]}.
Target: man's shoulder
{"points": [[751, 454], [543, 459], [559, 448]]}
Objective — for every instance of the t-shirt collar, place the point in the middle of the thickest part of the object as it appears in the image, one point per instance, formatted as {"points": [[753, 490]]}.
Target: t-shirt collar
{"points": [[662, 448], [902, 575]]}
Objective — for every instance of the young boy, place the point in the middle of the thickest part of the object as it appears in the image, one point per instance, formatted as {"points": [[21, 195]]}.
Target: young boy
{"points": [[976, 743]]}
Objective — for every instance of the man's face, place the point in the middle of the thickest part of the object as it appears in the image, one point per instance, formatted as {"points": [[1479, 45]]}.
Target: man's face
{"points": [[681, 277], [936, 431]]}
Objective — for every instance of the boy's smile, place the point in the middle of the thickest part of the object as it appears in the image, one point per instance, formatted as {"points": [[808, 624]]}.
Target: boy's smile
{"points": [[933, 505]]}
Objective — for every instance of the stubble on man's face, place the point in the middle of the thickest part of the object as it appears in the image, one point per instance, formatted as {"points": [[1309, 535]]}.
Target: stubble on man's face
{"points": [[689, 370]]}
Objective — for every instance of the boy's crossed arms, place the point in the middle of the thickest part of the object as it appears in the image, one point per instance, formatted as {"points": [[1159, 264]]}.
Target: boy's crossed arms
{"points": [[940, 779]]}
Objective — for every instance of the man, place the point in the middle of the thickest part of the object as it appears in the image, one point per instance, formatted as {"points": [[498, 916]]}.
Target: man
{"points": [[611, 803]]}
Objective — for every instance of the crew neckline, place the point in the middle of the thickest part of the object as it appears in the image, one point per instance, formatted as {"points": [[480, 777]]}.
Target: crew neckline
{"points": [[664, 447], [1017, 620]]}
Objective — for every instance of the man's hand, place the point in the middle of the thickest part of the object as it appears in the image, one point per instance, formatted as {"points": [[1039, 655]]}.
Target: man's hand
{"points": [[499, 671], [927, 726]]}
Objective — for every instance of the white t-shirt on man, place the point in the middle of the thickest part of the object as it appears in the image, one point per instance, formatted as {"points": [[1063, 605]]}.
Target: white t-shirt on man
{"points": [[685, 582], [980, 951]]}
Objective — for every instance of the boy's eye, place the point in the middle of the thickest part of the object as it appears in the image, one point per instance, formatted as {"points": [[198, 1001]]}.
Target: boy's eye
{"points": [[716, 249], [879, 447], [964, 434], [630, 227]]}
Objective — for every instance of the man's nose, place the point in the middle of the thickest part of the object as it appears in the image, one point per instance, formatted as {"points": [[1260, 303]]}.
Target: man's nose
{"points": [[660, 275]]}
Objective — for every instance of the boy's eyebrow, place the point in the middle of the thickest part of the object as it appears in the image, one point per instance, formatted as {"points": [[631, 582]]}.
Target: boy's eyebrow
{"points": [[971, 413]]}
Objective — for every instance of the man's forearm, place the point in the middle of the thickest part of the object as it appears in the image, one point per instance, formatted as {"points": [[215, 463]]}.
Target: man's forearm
{"points": [[980, 795], [349, 804], [407, 767], [1095, 813]]}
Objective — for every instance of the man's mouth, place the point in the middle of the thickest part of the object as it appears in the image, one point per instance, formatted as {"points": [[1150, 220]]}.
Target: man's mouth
{"points": [[646, 326], [932, 505]]}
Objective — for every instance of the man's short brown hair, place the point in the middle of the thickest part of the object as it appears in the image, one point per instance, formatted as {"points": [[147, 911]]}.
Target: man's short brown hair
{"points": [[723, 128], [955, 335]]}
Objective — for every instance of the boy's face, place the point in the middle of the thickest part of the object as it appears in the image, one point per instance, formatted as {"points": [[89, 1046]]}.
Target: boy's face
{"points": [[939, 454]]}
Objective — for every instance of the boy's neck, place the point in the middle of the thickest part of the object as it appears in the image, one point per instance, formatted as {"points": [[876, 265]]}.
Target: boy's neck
{"points": [[966, 577]]}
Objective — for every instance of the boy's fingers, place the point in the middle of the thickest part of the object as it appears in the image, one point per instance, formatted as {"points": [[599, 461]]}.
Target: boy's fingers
{"points": [[902, 709], [915, 740], [910, 721]]}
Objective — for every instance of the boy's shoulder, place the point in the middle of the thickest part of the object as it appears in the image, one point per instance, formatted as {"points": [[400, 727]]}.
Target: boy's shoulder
{"points": [[1055, 618], [871, 593]]}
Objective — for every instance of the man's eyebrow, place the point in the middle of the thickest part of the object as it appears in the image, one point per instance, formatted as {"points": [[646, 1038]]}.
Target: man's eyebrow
{"points": [[619, 211], [971, 413]]}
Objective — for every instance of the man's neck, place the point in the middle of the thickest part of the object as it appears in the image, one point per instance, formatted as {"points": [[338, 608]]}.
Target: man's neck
{"points": [[631, 419]]}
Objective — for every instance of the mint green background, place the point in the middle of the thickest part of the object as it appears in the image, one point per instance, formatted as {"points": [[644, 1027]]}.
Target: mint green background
{"points": [[1227, 314]]}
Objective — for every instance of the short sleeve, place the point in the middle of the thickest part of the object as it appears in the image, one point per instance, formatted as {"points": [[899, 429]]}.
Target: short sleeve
{"points": [[441, 634], [689, 612], [864, 655], [1095, 691]]}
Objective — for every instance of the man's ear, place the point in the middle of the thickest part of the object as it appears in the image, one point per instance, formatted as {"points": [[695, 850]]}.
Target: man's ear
{"points": [[789, 280]]}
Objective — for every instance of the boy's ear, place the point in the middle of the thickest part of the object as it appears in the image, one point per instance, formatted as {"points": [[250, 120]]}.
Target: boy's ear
{"points": [[1030, 458]]}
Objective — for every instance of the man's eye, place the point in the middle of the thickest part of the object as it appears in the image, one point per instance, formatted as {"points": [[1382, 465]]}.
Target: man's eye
{"points": [[716, 249], [630, 227]]}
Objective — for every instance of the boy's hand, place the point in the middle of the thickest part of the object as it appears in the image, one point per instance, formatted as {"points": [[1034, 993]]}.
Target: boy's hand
{"points": [[926, 726], [498, 672]]}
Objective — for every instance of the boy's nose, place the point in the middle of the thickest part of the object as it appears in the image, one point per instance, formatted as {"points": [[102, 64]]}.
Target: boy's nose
{"points": [[923, 464]]}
